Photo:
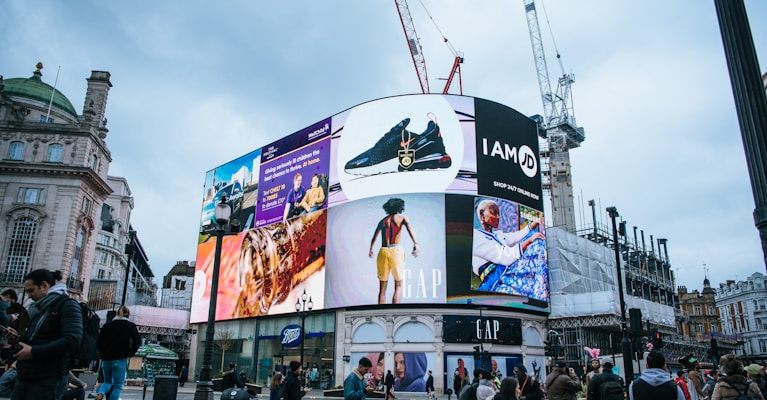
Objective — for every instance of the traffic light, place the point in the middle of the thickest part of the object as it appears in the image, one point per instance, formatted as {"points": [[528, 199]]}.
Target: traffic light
{"points": [[476, 353], [713, 351], [547, 348], [657, 340]]}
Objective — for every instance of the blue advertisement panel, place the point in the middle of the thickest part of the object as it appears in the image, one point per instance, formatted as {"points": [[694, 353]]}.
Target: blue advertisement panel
{"points": [[238, 182]]}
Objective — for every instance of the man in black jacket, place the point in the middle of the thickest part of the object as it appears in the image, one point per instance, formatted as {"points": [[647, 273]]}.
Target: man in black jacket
{"points": [[230, 378], [529, 388], [293, 389], [118, 340], [43, 351], [607, 375]]}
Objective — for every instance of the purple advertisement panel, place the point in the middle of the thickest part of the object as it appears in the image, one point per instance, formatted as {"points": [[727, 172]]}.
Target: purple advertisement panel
{"points": [[294, 175], [387, 249]]}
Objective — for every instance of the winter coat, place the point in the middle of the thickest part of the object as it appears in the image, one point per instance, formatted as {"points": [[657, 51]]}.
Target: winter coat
{"points": [[354, 386], [118, 339], [730, 387], [292, 387], [560, 386], [57, 330], [655, 377]]}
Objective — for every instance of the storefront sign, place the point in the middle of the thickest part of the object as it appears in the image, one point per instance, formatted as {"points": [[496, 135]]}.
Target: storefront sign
{"points": [[291, 336], [470, 329]]}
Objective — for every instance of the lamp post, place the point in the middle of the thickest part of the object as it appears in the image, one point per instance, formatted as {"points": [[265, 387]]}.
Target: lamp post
{"points": [[129, 251], [628, 365], [204, 391], [303, 307]]}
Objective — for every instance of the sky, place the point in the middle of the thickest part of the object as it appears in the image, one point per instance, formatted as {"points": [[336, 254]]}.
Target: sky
{"points": [[197, 84]]}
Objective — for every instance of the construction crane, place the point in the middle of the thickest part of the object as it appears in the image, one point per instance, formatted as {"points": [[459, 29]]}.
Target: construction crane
{"points": [[416, 51], [557, 129]]}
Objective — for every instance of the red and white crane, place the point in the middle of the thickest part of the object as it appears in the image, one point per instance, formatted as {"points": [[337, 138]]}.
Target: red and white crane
{"points": [[416, 51]]}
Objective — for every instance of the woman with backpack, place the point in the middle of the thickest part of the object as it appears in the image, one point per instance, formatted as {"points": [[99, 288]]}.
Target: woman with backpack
{"points": [[735, 385]]}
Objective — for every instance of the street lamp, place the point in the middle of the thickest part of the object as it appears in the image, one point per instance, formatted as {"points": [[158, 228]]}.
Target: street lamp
{"points": [[303, 307], [628, 365], [129, 251], [221, 212]]}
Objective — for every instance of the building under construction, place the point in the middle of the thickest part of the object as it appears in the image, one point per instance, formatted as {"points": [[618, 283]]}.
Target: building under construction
{"points": [[585, 297]]}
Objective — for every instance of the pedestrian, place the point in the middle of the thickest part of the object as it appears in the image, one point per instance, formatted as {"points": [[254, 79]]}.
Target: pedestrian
{"points": [[735, 383], [458, 377], [118, 340], [75, 388], [528, 387], [17, 312], [712, 376], [655, 383], [469, 391], [389, 382], [230, 378], [355, 387], [509, 389], [183, 375], [292, 389], [44, 356], [756, 374], [562, 383], [695, 381], [275, 387], [486, 388], [606, 383], [681, 381], [430, 385]]}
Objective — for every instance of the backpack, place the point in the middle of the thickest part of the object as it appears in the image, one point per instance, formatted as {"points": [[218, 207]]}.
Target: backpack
{"points": [[744, 395], [469, 392], [611, 389], [82, 355]]}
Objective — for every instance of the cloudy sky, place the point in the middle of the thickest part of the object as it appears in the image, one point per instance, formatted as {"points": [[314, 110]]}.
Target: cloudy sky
{"points": [[199, 83]]}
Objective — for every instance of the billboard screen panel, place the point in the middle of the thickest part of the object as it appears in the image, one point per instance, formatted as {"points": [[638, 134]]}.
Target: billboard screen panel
{"points": [[312, 205]]}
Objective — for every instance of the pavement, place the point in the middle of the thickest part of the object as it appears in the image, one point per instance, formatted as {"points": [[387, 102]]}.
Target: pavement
{"points": [[187, 391]]}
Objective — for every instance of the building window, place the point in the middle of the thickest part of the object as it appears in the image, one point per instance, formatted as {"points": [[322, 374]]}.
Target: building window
{"points": [[100, 274], [94, 162], [55, 151], [180, 284], [86, 205], [762, 304], [20, 249], [78, 254], [102, 258], [759, 324], [16, 151], [697, 309], [698, 328], [711, 310], [714, 328], [31, 196]]}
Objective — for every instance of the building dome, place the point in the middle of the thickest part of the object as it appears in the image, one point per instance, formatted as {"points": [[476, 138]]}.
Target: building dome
{"points": [[34, 88]]}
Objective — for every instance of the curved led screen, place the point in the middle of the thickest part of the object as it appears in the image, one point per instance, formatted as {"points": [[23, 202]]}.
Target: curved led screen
{"points": [[427, 199]]}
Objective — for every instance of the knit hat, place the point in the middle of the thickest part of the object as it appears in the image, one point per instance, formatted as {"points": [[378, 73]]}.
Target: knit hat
{"points": [[754, 369], [294, 366]]}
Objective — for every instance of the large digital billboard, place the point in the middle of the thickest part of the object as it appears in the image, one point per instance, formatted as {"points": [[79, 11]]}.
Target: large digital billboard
{"points": [[427, 199]]}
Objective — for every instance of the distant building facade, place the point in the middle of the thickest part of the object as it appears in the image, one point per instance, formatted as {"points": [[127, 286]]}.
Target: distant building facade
{"points": [[743, 309], [177, 286]]}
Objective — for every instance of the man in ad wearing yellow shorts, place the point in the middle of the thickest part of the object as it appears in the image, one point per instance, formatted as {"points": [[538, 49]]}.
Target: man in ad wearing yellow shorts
{"points": [[391, 257]]}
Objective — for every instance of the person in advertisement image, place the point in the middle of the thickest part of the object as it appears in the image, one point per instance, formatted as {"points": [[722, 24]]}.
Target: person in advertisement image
{"points": [[410, 371], [294, 198], [391, 257], [314, 197], [509, 249]]}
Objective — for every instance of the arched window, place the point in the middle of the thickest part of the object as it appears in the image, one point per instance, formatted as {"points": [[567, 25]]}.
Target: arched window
{"points": [[20, 247], [54, 152], [94, 162], [16, 151]]}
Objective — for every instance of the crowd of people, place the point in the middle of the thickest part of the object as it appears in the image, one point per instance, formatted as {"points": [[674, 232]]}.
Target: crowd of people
{"points": [[41, 343], [733, 381]]}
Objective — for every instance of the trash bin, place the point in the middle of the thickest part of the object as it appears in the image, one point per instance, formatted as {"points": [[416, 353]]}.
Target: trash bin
{"points": [[165, 387], [238, 394]]}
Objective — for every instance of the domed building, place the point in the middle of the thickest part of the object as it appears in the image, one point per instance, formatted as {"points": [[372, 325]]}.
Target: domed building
{"points": [[54, 181]]}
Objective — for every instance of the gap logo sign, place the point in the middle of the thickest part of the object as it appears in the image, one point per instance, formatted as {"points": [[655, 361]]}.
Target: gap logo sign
{"points": [[291, 336]]}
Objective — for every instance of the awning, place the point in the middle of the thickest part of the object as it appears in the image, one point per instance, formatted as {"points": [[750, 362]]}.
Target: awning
{"points": [[152, 350]]}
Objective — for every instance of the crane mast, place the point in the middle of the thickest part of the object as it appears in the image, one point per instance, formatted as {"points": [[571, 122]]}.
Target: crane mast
{"points": [[557, 129], [413, 43]]}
